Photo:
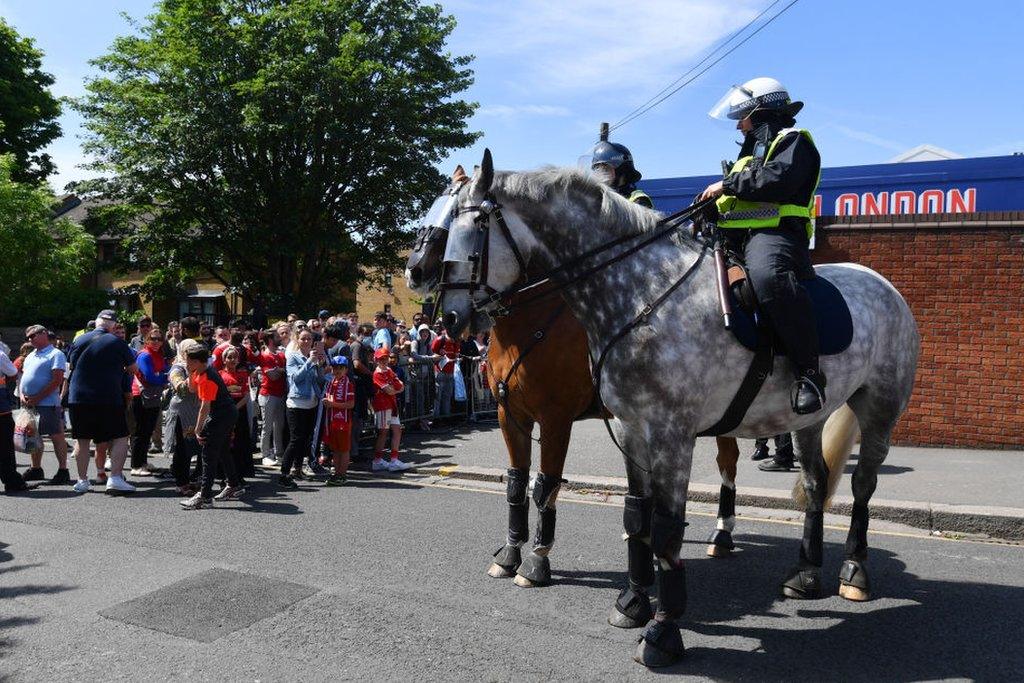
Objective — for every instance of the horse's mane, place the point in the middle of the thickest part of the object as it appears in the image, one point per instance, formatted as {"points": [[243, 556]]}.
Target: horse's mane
{"points": [[545, 187]]}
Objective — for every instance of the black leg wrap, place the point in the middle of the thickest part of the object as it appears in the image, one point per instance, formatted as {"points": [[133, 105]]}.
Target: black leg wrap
{"points": [[672, 591], [636, 516], [726, 501], [641, 563], [814, 529], [536, 568], [518, 511], [802, 583], [857, 540], [660, 645], [632, 609], [666, 533], [636, 520], [545, 491], [508, 557], [545, 528]]}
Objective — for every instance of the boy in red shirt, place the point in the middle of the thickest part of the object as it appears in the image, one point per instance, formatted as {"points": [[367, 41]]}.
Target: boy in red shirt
{"points": [[338, 401], [385, 410]]}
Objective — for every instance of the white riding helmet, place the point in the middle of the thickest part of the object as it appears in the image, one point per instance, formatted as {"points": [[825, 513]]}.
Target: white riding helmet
{"points": [[756, 94]]}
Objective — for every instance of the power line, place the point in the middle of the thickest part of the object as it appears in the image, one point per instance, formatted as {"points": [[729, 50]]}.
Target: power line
{"points": [[647, 108], [698, 64]]}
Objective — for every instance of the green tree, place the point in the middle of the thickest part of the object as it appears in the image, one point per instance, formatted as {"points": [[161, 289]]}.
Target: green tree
{"points": [[28, 111], [44, 259], [277, 143]]}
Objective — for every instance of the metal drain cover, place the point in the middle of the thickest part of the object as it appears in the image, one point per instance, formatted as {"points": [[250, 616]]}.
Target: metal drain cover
{"points": [[209, 605]]}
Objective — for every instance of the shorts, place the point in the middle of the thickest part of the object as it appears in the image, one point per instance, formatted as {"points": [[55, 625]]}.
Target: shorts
{"points": [[338, 440], [51, 420], [98, 423], [383, 419]]}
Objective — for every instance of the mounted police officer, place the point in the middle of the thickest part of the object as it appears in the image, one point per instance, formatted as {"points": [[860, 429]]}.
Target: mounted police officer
{"points": [[612, 164], [765, 205]]}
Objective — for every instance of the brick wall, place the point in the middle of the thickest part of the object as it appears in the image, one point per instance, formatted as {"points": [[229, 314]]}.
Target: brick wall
{"points": [[962, 276]]}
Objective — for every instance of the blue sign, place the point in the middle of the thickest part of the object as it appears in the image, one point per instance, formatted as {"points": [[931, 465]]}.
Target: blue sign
{"points": [[920, 187]]}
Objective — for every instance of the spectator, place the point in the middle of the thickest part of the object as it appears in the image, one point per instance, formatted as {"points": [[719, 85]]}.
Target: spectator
{"points": [[42, 375], [362, 374], [217, 417], [273, 390], [323, 315], [339, 399], [471, 352], [353, 324], [174, 337], [145, 324], [385, 414], [236, 379], [9, 475], [206, 336], [98, 362], [180, 420], [292, 317], [381, 333], [284, 334], [303, 361], [147, 390], [444, 372]]}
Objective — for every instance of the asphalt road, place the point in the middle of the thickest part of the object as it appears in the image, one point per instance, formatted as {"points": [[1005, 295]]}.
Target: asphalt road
{"points": [[386, 579]]}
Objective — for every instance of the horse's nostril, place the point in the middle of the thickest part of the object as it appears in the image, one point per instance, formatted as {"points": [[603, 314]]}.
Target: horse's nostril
{"points": [[451, 319], [415, 275]]}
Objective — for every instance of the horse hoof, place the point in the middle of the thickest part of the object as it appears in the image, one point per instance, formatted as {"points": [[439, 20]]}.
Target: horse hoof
{"points": [[660, 645], [720, 543], [802, 584], [498, 572], [718, 551], [535, 570], [853, 593], [632, 609]]}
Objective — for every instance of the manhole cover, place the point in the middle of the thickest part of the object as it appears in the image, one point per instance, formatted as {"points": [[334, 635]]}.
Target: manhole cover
{"points": [[209, 605]]}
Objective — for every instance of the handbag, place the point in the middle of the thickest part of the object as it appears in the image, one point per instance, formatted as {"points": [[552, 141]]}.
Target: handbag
{"points": [[152, 396], [26, 431]]}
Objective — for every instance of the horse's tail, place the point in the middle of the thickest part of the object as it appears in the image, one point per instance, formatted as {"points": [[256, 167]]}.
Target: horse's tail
{"points": [[837, 439]]}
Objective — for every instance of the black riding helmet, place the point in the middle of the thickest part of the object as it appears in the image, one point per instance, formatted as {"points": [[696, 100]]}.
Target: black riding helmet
{"points": [[618, 157]]}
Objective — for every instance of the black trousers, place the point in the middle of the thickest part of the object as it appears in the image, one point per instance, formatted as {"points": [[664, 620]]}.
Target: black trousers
{"points": [[301, 422], [783, 442], [215, 451], [778, 259], [184, 450], [145, 423], [241, 445], [9, 474]]}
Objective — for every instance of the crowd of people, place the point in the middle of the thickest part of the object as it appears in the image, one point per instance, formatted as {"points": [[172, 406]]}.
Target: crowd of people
{"points": [[296, 396]]}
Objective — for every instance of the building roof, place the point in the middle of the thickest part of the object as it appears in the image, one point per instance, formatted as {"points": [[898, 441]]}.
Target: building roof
{"points": [[924, 153]]}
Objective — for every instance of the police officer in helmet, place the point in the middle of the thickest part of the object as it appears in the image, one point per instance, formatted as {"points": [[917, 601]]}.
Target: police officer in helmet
{"points": [[765, 204], [612, 164]]}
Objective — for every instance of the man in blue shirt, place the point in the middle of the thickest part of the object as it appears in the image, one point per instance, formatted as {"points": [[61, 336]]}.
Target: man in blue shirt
{"points": [[99, 361], [381, 335], [41, 380]]}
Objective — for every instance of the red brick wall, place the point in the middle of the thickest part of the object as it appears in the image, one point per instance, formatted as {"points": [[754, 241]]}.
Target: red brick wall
{"points": [[963, 281]]}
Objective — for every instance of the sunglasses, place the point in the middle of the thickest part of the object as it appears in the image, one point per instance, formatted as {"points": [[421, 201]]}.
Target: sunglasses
{"points": [[30, 337], [156, 339]]}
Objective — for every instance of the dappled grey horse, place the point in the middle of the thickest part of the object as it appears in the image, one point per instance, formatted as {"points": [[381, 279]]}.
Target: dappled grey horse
{"points": [[675, 374]]}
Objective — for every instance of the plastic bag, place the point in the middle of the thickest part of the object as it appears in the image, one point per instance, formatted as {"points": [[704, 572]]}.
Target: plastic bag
{"points": [[26, 431], [460, 383]]}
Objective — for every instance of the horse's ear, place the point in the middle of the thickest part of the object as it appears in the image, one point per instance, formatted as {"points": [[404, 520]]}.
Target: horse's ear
{"points": [[459, 175], [486, 172]]}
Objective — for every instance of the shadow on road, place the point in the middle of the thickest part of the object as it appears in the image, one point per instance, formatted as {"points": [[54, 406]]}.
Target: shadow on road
{"points": [[7, 623]]}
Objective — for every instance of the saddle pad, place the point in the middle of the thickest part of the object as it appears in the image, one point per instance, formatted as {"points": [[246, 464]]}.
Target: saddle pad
{"points": [[835, 326]]}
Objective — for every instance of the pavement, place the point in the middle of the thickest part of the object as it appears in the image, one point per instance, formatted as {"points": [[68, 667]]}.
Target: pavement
{"points": [[946, 490], [385, 580]]}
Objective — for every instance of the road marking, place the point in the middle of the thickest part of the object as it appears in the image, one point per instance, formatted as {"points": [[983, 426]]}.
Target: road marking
{"points": [[924, 534]]}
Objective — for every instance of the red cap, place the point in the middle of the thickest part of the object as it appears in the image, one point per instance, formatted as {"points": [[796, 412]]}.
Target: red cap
{"points": [[381, 353]]}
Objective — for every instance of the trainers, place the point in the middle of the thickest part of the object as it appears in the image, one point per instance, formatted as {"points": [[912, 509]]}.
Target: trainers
{"points": [[271, 462], [33, 474], [336, 480], [230, 493], [117, 485], [143, 471], [62, 477], [286, 482], [83, 486], [397, 465], [155, 450], [196, 502], [379, 465], [760, 453]]}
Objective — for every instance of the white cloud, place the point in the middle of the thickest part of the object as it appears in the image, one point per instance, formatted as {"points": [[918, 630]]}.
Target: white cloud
{"points": [[508, 111], [595, 44]]}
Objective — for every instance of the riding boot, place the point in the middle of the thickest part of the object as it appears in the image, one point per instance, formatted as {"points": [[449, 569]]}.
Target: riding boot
{"points": [[809, 396], [782, 461]]}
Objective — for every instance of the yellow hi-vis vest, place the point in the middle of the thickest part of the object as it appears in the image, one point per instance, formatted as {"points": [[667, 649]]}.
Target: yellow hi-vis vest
{"points": [[741, 213], [640, 197]]}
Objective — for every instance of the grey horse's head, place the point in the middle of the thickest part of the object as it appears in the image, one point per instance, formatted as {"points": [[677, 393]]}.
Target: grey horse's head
{"points": [[423, 267]]}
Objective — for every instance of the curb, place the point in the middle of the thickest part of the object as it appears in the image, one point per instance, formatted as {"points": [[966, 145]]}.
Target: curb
{"points": [[1004, 523]]}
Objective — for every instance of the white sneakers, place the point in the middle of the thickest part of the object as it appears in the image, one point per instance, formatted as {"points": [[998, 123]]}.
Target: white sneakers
{"points": [[117, 484], [271, 462], [379, 465], [397, 465], [82, 486]]}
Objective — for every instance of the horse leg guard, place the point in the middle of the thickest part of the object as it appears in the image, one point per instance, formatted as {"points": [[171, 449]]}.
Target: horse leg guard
{"points": [[508, 557], [662, 642], [535, 569], [720, 544], [804, 581], [853, 581], [633, 606]]}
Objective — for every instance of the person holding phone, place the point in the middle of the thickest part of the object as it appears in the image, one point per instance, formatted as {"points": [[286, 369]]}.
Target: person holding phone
{"points": [[304, 362]]}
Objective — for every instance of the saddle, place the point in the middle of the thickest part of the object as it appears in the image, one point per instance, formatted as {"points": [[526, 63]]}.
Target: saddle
{"points": [[752, 329]]}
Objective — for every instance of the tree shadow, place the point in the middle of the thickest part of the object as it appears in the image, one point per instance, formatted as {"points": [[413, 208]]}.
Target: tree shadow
{"points": [[883, 469], [9, 623]]}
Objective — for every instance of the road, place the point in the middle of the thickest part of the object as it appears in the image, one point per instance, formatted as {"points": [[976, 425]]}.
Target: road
{"points": [[385, 579]]}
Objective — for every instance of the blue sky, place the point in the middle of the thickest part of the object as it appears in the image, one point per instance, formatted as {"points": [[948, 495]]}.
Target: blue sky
{"points": [[877, 77]]}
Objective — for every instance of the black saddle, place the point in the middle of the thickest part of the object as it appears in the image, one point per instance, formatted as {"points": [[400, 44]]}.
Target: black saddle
{"points": [[749, 326]]}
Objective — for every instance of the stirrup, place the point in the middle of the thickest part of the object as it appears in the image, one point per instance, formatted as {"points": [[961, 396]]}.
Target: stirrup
{"points": [[794, 394]]}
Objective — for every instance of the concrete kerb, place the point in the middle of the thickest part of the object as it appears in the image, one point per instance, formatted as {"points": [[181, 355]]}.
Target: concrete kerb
{"points": [[994, 522]]}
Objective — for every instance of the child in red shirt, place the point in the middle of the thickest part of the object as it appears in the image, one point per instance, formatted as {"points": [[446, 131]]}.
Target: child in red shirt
{"points": [[385, 411], [339, 400]]}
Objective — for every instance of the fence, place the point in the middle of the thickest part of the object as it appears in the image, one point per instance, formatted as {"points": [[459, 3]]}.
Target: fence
{"points": [[419, 400]]}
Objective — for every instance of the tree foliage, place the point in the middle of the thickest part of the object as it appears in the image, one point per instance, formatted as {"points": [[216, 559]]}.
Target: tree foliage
{"points": [[28, 111], [44, 259], [276, 144]]}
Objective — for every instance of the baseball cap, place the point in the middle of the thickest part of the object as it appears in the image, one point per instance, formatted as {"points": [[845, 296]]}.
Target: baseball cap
{"points": [[339, 360], [324, 314], [381, 353], [107, 314]]}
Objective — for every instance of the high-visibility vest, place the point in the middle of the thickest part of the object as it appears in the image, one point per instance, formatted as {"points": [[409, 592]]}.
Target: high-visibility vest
{"points": [[638, 196], [741, 213]]}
